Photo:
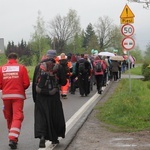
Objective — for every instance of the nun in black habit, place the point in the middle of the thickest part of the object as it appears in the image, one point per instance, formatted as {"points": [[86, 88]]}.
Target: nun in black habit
{"points": [[49, 116]]}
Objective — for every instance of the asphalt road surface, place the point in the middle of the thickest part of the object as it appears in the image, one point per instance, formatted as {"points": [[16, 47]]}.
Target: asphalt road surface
{"points": [[74, 108]]}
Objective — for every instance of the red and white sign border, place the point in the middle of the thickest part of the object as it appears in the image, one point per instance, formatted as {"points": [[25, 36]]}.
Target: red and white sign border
{"points": [[132, 41], [127, 24]]}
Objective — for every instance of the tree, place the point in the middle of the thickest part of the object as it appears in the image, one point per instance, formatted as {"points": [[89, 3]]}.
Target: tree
{"points": [[75, 45], [10, 48], [62, 29], [40, 40], [137, 53], [90, 39], [147, 53], [104, 28], [116, 38], [23, 51]]}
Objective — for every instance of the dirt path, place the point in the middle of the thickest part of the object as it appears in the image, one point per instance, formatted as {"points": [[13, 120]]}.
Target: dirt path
{"points": [[94, 135]]}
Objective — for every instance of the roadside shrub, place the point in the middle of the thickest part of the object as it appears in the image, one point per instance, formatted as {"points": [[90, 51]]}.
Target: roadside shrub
{"points": [[147, 74], [146, 71], [145, 64]]}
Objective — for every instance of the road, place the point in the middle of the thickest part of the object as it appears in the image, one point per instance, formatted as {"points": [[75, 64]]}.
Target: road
{"points": [[74, 108]]}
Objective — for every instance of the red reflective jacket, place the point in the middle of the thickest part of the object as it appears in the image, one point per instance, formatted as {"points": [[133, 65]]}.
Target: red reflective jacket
{"points": [[14, 80]]}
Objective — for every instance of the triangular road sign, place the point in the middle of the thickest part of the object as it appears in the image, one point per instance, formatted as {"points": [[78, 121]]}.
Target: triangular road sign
{"points": [[127, 13]]}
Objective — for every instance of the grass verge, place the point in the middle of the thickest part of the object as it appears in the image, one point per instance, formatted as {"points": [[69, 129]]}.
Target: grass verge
{"points": [[128, 110], [136, 71]]}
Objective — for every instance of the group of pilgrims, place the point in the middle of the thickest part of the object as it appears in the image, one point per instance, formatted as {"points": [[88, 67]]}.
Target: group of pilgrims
{"points": [[111, 70], [57, 76]]}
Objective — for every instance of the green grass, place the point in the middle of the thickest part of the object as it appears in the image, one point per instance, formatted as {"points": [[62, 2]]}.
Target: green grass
{"points": [[128, 110], [136, 71]]}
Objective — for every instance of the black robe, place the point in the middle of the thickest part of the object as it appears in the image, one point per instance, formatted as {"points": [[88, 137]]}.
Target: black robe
{"points": [[48, 114], [83, 79]]}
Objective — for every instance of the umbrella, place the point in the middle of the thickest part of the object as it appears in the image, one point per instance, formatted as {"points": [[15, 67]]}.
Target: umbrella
{"points": [[106, 54], [119, 58]]}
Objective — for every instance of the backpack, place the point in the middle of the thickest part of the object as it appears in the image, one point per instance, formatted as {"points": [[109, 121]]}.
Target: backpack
{"points": [[98, 66], [81, 67], [64, 64], [49, 84]]}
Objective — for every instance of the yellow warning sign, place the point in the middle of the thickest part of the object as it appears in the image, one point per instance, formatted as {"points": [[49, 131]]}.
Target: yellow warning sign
{"points": [[127, 13], [126, 20]]}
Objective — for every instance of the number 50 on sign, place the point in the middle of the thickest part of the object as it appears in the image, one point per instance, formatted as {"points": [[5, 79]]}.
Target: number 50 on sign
{"points": [[127, 30]]}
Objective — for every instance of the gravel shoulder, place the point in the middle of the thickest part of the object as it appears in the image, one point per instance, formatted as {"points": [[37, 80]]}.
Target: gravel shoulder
{"points": [[95, 135]]}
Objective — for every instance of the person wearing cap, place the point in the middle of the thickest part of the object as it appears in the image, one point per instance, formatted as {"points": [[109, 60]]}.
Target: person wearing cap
{"points": [[14, 80], [67, 67], [49, 116], [73, 81]]}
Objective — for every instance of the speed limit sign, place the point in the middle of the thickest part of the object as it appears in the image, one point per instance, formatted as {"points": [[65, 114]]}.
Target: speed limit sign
{"points": [[127, 30]]}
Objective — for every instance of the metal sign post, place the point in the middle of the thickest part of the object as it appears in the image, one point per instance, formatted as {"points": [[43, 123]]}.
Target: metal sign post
{"points": [[128, 43]]}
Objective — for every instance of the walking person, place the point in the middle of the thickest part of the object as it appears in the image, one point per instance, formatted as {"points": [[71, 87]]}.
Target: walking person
{"points": [[124, 66], [119, 69], [73, 75], [83, 70], [105, 76], [109, 64], [14, 80], [67, 66], [86, 57], [99, 69], [49, 116], [115, 69]]}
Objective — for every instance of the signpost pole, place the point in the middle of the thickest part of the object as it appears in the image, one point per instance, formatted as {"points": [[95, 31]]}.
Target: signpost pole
{"points": [[127, 30], [129, 71]]}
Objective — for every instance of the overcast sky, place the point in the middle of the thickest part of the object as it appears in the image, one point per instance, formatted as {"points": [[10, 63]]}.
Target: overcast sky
{"points": [[17, 17]]}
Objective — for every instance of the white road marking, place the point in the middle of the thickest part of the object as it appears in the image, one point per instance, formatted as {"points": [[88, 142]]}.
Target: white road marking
{"points": [[73, 120]]}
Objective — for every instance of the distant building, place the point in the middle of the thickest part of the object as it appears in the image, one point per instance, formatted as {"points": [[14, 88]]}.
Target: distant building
{"points": [[1, 45]]}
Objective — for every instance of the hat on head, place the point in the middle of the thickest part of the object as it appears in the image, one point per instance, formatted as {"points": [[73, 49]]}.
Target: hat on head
{"points": [[63, 56], [51, 53]]}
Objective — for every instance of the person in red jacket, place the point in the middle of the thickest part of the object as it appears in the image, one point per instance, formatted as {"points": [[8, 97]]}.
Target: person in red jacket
{"points": [[99, 75], [14, 80]]}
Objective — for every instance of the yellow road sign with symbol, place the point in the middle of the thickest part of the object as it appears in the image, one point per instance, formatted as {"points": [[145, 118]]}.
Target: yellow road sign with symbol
{"points": [[127, 15]]}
